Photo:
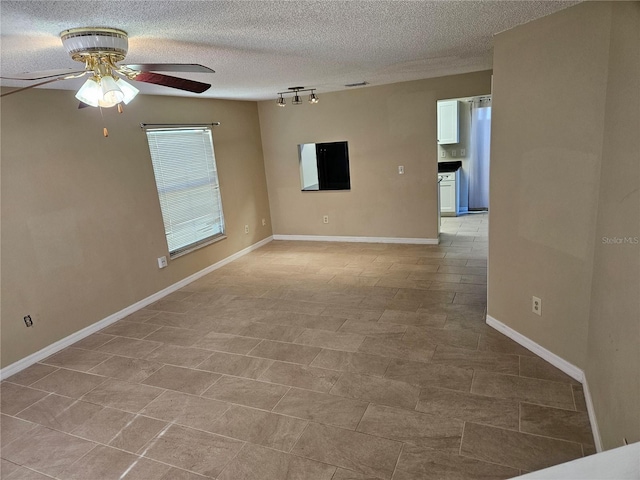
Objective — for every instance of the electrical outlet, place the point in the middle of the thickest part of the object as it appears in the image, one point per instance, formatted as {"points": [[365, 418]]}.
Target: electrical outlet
{"points": [[400, 170], [264, 222], [162, 262], [453, 153], [246, 229], [443, 153], [27, 320], [463, 152], [536, 305], [325, 219]]}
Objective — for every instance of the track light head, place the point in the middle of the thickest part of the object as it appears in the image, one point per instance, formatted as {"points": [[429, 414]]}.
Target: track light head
{"points": [[313, 98], [281, 102]]}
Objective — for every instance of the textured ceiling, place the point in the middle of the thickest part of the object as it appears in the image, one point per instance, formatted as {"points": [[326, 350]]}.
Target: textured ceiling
{"points": [[259, 48]]}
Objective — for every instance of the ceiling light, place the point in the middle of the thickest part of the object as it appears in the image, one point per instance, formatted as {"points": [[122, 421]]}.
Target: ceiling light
{"points": [[295, 91], [127, 89], [90, 92], [111, 93]]}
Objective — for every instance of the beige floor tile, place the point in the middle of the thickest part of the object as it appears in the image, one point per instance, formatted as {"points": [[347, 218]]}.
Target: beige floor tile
{"points": [[7, 468], [14, 398], [352, 362], [416, 428], [128, 347], [171, 306], [542, 392], [472, 324], [125, 396], [271, 332], [498, 343], [299, 307], [556, 423], [237, 365], [130, 329], [413, 318], [424, 335], [260, 427], [141, 316], [199, 452], [350, 450], [69, 382], [385, 303], [417, 463], [376, 390], [46, 450], [175, 336], [188, 410], [578, 398], [104, 425], [179, 474], [429, 374], [395, 347], [107, 463], [359, 314], [535, 367], [286, 352], [179, 356], [227, 343], [342, 474], [469, 407], [12, 428], [371, 328], [302, 376], [94, 341], [425, 296], [60, 413], [167, 319], [468, 311], [132, 370], [322, 408], [76, 359], [529, 452], [246, 392], [458, 287], [348, 342], [31, 374], [320, 322], [255, 462], [135, 435], [186, 380], [478, 360]]}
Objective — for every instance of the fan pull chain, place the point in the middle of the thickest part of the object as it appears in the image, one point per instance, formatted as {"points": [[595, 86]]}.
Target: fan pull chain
{"points": [[105, 132]]}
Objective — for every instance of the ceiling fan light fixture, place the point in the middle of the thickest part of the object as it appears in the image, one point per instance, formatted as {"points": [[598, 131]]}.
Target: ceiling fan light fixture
{"points": [[128, 90], [111, 93], [84, 42], [90, 92]]}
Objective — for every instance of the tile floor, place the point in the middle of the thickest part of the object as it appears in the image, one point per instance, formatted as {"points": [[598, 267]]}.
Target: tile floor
{"points": [[302, 361]]}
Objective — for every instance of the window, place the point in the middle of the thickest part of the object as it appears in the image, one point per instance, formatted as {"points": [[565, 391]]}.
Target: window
{"points": [[187, 180]]}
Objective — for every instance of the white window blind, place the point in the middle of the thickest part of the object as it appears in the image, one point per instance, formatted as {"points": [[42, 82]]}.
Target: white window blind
{"points": [[187, 180]]}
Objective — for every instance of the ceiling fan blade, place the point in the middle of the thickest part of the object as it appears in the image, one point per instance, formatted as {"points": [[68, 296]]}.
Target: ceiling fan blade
{"points": [[173, 82], [43, 74], [82, 105], [170, 67], [32, 86]]}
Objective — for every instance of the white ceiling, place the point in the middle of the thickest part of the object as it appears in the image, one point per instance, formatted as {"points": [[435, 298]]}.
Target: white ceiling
{"points": [[259, 48]]}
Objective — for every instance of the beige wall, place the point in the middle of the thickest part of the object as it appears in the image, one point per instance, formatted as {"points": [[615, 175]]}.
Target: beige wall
{"points": [[386, 126], [81, 221], [554, 128], [613, 349]]}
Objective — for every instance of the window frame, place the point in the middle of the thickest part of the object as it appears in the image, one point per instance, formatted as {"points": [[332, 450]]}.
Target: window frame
{"points": [[208, 240]]}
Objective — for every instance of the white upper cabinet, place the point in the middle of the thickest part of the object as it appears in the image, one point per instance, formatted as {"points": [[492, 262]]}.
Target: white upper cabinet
{"points": [[448, 124]]}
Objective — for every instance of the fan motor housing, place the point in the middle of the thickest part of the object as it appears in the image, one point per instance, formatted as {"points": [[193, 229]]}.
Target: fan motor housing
{"points": [[83, 43]]}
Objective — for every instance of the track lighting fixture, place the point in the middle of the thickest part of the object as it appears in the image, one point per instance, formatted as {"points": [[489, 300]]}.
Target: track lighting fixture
{"points": [[295, 91]]}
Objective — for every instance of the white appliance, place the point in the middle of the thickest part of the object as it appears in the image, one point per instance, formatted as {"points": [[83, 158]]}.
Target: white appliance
{"points": [[449, 193]]}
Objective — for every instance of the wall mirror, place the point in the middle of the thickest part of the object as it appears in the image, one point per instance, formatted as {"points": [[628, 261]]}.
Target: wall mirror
{"points": [[324, 166]]}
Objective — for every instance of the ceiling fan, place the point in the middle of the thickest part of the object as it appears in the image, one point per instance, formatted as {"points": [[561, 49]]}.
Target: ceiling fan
{"points": [[101, 49]]}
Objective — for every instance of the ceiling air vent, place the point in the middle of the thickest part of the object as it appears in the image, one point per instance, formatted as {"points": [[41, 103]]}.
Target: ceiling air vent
{"points": [[359, 84]]}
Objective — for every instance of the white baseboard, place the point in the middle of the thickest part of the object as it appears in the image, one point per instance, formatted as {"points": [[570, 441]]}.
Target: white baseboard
{"points": [[558, 362], [105, 322], [597, 440], [331, 238]]}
